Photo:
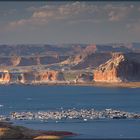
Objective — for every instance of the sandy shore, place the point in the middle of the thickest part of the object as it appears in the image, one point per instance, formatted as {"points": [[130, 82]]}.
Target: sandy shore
{"points": [[122, 84], [96, 84]]}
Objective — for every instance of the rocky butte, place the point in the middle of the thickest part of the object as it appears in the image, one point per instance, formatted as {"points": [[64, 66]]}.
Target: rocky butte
{"points": [[120, 68]]}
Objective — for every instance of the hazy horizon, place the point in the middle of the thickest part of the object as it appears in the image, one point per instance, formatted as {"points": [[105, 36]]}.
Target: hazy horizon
{"points": [[108, 43]]}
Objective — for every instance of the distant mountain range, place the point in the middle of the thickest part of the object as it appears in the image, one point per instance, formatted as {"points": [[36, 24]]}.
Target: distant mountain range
{"points": [[65, 49]]}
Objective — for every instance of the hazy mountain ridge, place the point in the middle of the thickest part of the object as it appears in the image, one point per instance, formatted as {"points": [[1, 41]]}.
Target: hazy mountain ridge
{"points": [[34, 49], [64, 49]]}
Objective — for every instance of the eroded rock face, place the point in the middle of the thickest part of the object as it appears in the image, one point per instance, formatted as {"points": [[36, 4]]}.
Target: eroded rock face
{"points": [[84, 77], [30, 77], [121, 67], [106, 76], [29, 61], [49, 76], [4, 77]]}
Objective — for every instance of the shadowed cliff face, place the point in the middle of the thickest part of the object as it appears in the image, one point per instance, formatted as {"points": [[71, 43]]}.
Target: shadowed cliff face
{"points": [[92, 60], [34, 54], [29, 61], [121, 67], [77, 56]]}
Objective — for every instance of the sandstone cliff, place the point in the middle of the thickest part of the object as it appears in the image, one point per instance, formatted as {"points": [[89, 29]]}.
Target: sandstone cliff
{"points": [[4, 77], [49, 76], [7, 77], [121, 67]]}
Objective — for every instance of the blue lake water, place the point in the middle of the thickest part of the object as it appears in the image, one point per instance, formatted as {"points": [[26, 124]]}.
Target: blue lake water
{"points": [[47, 98]]}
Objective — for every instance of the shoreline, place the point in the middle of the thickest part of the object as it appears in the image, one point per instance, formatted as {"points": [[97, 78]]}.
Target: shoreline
{"points": [[10, 131], [94, 84]]}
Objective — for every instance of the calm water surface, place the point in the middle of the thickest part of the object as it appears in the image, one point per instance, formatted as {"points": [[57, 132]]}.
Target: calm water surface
{"points": [[44, 98]]}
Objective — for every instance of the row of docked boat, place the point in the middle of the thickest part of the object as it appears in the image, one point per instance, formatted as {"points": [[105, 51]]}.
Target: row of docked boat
{"points": [[82, 114]]}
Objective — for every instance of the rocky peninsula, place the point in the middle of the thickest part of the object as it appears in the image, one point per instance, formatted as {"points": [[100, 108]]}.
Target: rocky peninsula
{"points": [[9, 131]]}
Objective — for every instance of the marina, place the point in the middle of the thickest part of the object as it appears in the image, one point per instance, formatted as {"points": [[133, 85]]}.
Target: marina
{"points": [[73, 108], [71, 114]]}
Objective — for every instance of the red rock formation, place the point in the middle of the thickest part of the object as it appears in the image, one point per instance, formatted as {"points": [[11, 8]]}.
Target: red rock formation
{"points": [[122, 67], [15, 60], [41, 76], [30, 77], [4, 77], [107, 76], [49, 76], [90, 49]]}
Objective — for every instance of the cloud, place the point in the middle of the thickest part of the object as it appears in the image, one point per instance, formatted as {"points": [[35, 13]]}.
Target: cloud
{"points": [[75, 12], [84, 21], [113, 16], [8, 12], [44, 14], [19, 22], [139, 9], [118, 12], [134, 27]]}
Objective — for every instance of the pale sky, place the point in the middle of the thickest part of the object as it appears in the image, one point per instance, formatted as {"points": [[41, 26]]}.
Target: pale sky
{"points": [[69, 22]]}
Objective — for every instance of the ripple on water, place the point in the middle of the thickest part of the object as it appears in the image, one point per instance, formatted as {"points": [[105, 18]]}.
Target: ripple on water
{"points": [[1, 105], [29, 99]]}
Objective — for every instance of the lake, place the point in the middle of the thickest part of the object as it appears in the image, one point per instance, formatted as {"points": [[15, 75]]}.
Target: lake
{"points": [[48, 98]]}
